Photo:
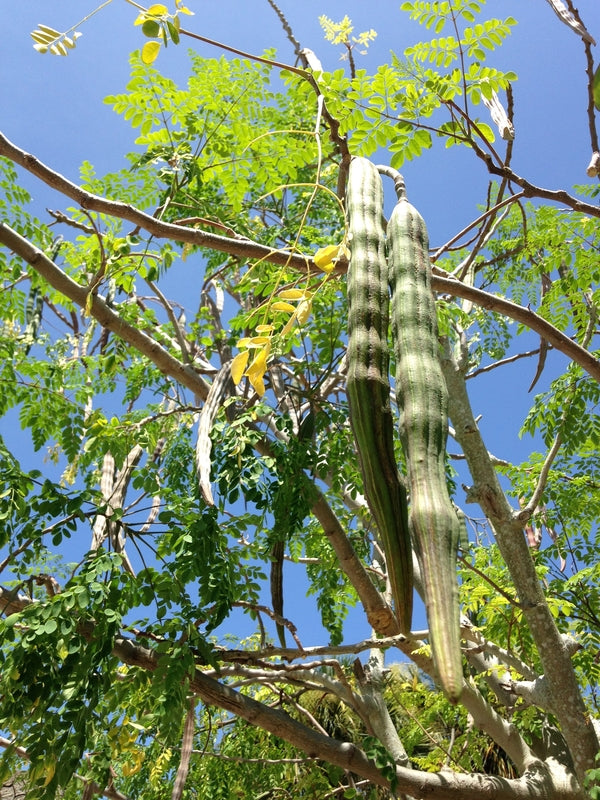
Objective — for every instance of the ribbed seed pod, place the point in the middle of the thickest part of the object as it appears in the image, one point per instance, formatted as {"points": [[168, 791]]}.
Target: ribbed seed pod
{"points": [[423, 403], [367, 382]]}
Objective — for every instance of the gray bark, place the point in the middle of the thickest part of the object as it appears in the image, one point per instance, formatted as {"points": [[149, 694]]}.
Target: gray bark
{"points": [[560, 677]]}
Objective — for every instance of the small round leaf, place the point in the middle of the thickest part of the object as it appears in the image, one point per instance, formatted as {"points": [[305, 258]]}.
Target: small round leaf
{"points": [[151, 28], [150, 52]]}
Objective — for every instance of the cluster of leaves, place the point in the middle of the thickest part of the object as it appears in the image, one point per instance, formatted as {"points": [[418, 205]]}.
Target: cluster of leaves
{"points": [[405, 102], [157, 23]]}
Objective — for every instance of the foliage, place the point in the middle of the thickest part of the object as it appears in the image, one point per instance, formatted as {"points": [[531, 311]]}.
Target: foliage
{"points": [[197, 318]]}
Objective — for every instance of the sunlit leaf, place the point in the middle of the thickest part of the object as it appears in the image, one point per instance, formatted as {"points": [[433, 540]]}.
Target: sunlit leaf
{"points": [[280, 305], [596, 88], [151, 28], [41, 37], [325, 257], [150, 52], [238, 366], [486, 131], [181, 9], [303, 311], [49, 770], [256, 371], [58, 49], [292, 294], [48, 30]]}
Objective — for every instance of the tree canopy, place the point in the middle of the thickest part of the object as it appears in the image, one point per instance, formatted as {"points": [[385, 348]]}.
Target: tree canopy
{"points": [[197, 593]]}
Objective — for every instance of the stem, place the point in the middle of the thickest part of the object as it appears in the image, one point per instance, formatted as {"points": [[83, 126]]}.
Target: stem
{"points": [[445, 247], [527, 511], [246, 248]]}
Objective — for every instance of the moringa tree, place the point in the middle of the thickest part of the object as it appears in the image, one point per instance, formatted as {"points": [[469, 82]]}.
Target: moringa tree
{"points": [[174, 340]]}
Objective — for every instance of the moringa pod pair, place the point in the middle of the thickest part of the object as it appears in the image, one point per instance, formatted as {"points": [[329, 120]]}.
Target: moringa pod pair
{"points": [[430, 522]]}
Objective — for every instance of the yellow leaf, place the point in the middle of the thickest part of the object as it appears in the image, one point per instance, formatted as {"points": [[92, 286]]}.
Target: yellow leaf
{"points": [[280, 305], [257, 369], [292, 294], [58, 49], [288, 325], [157, 10], [257, 383], [324, 257], [238, 365], [150, 52], [47, 29], [264, 328], [252, 341], [303, 311], [41, 37], [49, 770], [130, 769], [327, 268]]}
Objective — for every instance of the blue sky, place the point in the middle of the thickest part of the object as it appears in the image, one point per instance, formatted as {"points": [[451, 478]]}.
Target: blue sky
{"points": [[53, 107]]}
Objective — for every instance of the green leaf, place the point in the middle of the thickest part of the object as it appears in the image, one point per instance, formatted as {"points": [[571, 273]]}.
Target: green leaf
{"points": [[596, 88], [151, 28]]}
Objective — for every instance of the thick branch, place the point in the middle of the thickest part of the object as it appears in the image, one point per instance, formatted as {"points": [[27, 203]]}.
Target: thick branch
{"points": [[558, 670], [241, 247], [380, 616], [443, 786], [144, 344], [539, 782], [245, 248], [521, 314]]}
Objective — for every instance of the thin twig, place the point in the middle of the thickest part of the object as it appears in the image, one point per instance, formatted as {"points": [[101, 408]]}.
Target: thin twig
{"points": [[528, 510], [490, 211], [502, 363], [183, 344]]}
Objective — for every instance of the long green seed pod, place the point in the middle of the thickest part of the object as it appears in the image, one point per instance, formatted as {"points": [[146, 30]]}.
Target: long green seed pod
{"points": [[367, 382], [423, 403]]}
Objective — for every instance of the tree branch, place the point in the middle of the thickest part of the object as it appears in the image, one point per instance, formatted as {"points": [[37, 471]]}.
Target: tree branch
{"points": [[161, 358], [379, 613], [569, 706], [240, 246], [540, 782], [245, 248], [559, 340]]}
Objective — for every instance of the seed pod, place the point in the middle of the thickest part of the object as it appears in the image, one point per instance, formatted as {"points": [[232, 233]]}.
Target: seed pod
{"points": [[367, 382], [423, 403]]}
